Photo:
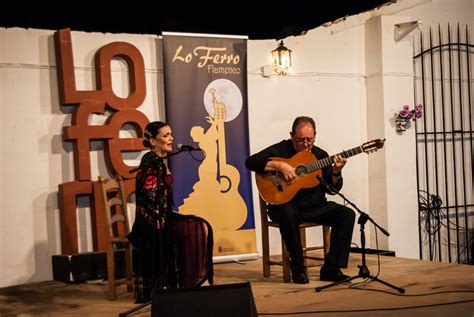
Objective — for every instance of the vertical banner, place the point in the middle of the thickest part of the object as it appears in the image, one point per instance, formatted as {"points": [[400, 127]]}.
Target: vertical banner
{"points": [[205, 81]]}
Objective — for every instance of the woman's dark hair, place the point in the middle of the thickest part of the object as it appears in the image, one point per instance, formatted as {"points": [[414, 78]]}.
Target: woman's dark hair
{"points": [[151, 131], [302, 120]]}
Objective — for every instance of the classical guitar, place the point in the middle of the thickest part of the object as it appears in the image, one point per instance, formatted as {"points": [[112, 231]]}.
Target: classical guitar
{"points": [[275, 190]]}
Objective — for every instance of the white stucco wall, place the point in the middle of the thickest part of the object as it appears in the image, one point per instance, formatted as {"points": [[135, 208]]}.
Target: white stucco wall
{"points": [[331, 80], [35, 160]]}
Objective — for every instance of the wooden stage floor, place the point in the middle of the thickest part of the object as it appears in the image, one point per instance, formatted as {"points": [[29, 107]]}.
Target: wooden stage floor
{"points": [[432, 289]]}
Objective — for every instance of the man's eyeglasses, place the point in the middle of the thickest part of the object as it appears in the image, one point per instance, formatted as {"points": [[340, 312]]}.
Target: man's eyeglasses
{"points": [[304, 140]]}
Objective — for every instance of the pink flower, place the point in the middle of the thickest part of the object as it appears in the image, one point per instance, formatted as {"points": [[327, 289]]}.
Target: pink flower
{"points": [[408, 114], [405, 112], [419, 111]]}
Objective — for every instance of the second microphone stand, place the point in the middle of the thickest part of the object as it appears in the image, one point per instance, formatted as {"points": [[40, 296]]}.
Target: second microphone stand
{"points": [[363, 269]]}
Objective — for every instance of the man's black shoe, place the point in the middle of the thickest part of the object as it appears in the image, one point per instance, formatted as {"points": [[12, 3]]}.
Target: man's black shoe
{"points": [[301, 278], [332, 275], [300, 275]]}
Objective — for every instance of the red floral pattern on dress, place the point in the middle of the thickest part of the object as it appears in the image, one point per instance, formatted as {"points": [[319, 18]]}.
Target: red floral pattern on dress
{"points": [[153, 191], [150, 182]]}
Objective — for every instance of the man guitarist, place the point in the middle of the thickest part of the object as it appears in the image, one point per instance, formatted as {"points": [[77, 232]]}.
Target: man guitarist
{"points": [[308, 204]]}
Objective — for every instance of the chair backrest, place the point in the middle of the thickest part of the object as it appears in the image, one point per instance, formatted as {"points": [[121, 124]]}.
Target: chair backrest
{"points": [[115, 206]]}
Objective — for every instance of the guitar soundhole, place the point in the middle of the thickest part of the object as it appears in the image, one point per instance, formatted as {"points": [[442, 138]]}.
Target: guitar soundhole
{"points": [[227, 186], [301, 170]]}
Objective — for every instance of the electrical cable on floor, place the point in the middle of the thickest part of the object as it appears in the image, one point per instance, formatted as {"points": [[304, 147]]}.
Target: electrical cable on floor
{"points": [[363, 310], [410, 295], [378, 254]]}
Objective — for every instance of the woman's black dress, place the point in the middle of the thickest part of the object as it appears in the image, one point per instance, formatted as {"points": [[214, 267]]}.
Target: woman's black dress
{"points": [[170, 249]]}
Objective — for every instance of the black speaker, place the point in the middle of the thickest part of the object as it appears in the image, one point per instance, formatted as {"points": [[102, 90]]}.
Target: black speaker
{"points": [[218, 300], [86, 266]]}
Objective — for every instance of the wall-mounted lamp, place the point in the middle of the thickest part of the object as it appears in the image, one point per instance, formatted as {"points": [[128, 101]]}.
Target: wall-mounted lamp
{"points": [[281, 59]]}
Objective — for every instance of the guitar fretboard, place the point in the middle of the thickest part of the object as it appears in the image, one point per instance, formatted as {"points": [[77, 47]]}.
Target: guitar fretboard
{"points": [[320, 164]]}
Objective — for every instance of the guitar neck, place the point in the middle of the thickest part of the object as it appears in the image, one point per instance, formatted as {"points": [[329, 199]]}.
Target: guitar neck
{"points": [[221, 143], [327, 161]]}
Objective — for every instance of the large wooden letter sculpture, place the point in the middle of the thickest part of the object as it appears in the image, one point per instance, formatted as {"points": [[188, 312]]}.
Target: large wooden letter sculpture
{"points": [[123, 111]]}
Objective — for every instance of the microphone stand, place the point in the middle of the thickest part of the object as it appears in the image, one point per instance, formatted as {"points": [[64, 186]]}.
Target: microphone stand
{"points": [[363, 269]]}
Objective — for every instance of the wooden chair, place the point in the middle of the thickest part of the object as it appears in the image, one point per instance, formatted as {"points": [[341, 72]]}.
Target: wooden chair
{"points": [[285, 262], [117, 226]]}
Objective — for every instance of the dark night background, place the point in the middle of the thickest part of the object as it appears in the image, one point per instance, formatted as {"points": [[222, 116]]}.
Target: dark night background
{"points": [[259, 20]]}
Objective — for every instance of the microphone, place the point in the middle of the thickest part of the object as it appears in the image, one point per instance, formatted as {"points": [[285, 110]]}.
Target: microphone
{"points": [[184, 147], [326, 185], [134, 170], [180, 148]]}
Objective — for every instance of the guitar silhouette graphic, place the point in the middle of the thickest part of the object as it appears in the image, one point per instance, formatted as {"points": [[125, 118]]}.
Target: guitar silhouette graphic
{"points": [[216, 197]]}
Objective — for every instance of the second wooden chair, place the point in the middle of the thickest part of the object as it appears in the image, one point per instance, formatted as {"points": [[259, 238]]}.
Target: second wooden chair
{"points": [[117, 227]]}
